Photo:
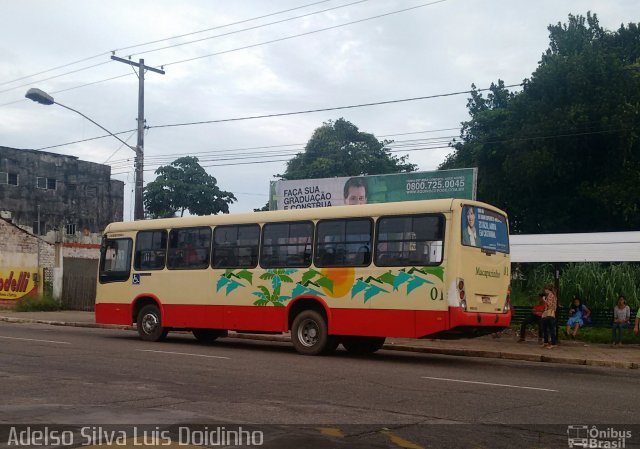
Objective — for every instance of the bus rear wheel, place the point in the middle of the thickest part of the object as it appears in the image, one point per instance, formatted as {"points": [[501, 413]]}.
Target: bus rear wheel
{"points": [[208, 335], [363, 345], [309, 334], [149, 324]]}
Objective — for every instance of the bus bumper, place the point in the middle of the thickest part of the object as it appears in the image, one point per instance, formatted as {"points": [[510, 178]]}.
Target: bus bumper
{"points": [[474, 324]]}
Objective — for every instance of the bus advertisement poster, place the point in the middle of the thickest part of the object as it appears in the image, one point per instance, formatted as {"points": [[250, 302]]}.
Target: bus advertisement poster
{"points": [[325, 192]]}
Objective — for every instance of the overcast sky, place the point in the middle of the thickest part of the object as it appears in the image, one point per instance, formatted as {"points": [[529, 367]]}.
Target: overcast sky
{"points": [[434, 49]]}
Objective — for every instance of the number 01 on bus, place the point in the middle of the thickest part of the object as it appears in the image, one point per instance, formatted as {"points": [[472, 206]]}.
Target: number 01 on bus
{"points": [[350, 275]]}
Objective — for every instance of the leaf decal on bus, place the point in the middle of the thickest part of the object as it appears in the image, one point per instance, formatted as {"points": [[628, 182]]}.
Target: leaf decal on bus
{"points": [[221, 283], [386, 278], [325, 282], [231, 286], [400, 279], [307, 276], [246, 275], [371, 291], [415, 283], [302, 290], [359, 286]]}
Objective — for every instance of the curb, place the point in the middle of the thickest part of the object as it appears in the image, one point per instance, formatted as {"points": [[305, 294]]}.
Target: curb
{"points": [[389, 346]]}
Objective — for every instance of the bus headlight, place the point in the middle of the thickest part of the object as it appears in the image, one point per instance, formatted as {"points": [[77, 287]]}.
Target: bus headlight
{"points": [[463, 304]]}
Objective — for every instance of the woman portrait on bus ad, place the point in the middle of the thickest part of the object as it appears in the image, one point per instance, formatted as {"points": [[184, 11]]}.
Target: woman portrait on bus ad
{"points": [[469, 227]]}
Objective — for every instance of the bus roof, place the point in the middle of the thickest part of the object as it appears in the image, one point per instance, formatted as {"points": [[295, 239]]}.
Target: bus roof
{"points": [[364, 210]]}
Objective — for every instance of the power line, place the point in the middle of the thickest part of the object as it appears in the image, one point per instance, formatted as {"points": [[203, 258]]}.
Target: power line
{"points": [[336, 108], [120, 147], [221, 26], [30, 83], [302, 34], [249, 46], [158, 40], [247, 29]]}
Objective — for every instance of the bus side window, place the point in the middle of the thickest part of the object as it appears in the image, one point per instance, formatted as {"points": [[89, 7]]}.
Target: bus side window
{"points": [[151, 250], [409, 239], [235, 246], [344, 243], [189, 248], [287, 245]]}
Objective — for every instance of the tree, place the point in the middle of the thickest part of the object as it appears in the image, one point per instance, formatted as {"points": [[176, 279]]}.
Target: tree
{"points": [[339, 149], [185, 185], [563, 155]]}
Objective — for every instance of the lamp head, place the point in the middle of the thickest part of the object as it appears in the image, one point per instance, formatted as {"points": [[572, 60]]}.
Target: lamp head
{"points": [[39, 96]]}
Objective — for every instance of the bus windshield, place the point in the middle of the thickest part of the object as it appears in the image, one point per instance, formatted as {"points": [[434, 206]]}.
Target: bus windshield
{"points": [[484, 228]]}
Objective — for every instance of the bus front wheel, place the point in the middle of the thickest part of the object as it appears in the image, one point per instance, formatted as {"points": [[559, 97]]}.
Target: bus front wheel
{"points": [[149, 324], [363, 345], [309, 334]]}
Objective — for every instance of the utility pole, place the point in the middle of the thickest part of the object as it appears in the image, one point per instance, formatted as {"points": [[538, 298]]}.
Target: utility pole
{"points": [[138, 211]]}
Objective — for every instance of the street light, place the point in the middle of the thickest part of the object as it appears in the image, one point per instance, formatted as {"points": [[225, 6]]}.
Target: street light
{"points": [[40, 96]]}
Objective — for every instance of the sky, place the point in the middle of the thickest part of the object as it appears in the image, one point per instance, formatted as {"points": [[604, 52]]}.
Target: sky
{"points": [[257, 67]]}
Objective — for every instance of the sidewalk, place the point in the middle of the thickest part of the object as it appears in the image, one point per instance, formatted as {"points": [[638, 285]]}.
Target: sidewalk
{"points": [[506, 347]]}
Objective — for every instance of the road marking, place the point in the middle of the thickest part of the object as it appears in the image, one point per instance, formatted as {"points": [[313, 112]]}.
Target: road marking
{"points": [[184, 353], [399, 441], [41, 341], [489, 384], [331, 431]]}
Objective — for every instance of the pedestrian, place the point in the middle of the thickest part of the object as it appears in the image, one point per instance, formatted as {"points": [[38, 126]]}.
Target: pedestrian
{"points": [[549, 317], [621, 318], [534, 317], [578, 315]]}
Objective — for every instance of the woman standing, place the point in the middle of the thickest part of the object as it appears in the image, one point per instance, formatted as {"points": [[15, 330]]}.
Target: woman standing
{"points": [[549, 317]]}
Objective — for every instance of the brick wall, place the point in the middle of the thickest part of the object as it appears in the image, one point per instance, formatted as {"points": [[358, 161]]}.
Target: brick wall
{"points": [[18, 248]]}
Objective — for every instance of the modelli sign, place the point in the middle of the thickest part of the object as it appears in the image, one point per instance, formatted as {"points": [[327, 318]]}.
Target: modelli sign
{"points": [[18, 282], [325, 192]]}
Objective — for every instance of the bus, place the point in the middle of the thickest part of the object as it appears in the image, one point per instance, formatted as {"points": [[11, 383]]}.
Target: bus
{"points": [[350, 275]]}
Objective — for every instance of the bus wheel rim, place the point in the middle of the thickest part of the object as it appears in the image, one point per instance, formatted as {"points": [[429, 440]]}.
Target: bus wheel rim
{"points": [[308, 333], [149, 323]]}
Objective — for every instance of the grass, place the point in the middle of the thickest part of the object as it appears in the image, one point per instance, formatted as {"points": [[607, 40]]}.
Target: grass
{"points": [[601, 335], [37, 304]]}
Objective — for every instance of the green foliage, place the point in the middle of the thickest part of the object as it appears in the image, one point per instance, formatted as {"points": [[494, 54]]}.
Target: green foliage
{"points": [[563, 155], [339, 149], [37, 304], [601, 335], [185, 185], [598, 284]]}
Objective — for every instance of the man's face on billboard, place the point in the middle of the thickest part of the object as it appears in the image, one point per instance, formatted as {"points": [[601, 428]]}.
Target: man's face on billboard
{"points": [[357, 195]]}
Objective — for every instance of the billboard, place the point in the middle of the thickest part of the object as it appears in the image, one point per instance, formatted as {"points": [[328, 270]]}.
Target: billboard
{"points": [[16, 282], [325, 192]]}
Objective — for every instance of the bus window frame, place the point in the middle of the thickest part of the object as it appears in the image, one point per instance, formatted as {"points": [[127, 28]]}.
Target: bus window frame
{"points": [[213, 243], [440, 215], [208, 247], [115, 276], [166, 249], [290, 222], [372, 227]]}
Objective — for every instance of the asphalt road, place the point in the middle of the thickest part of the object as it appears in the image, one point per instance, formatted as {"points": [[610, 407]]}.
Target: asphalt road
{"points": [[81, 376]]}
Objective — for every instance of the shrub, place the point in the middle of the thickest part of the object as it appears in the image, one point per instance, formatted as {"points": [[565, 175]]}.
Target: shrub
{"points": [[37, 304], [598, 284]]}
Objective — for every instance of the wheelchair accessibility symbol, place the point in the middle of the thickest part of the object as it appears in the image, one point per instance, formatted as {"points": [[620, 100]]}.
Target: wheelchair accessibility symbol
{"points": [[136, 279]]}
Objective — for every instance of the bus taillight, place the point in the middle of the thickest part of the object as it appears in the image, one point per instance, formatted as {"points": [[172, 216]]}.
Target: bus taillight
{"points": [[462, 294]]}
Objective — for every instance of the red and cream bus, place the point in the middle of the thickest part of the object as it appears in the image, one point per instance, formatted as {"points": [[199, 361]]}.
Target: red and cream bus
{"points": [[349, 275]]}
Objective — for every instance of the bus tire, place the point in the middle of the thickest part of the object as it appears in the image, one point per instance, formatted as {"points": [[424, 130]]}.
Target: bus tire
{"points": [[309, 334], [208, 335], [363, 345], [149, 324]]}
